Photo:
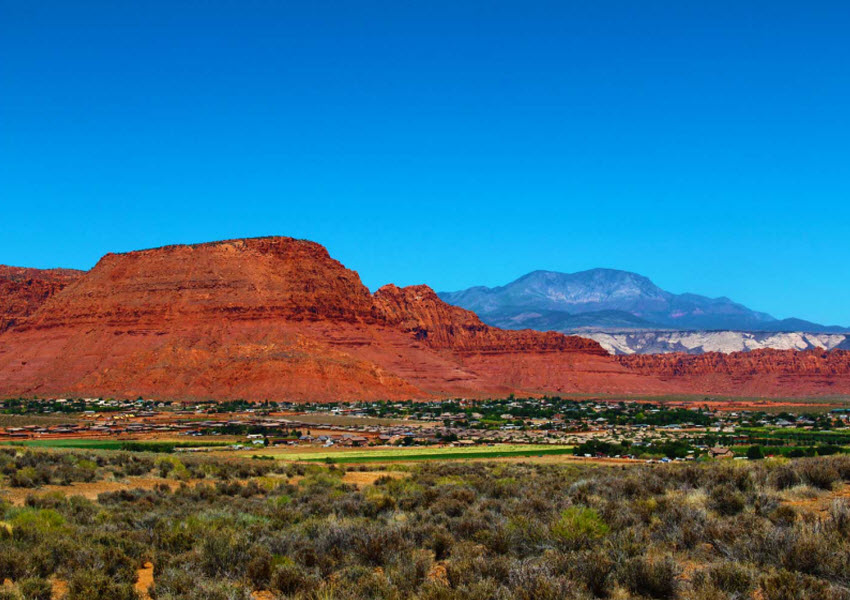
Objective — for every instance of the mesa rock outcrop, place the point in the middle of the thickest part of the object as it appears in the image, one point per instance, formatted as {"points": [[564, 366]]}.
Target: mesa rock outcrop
{"points": [[257, 318], [24, 290], [278, 318]]}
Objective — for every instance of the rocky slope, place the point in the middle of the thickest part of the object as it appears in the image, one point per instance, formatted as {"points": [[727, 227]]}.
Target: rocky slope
{"points": [[698, 342], [23, 290], [608, 299], [278, 318]]}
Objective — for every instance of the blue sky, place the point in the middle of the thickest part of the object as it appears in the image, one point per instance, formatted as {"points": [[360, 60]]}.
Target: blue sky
{"points": [[705, 145]]}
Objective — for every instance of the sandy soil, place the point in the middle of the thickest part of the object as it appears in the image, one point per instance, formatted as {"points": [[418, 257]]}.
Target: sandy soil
{"points": [[364, 478], [144, 581], [60, 589]]}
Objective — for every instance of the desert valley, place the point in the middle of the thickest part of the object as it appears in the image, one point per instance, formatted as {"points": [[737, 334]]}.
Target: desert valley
{"points": [[424, 300]]}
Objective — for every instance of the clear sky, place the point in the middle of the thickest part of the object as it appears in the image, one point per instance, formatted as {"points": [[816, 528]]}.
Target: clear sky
{"points": [[703, 144]]}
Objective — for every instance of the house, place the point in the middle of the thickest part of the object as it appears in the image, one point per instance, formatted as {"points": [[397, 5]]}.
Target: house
{"points": [[355, 441], [720, 452]]}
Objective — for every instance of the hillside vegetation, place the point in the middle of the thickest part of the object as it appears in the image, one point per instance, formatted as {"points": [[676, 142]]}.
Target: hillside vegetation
{"points": [[227, 529]]}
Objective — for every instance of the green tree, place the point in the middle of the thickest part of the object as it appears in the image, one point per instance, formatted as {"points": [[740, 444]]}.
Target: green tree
{"points": [[755, 453]]}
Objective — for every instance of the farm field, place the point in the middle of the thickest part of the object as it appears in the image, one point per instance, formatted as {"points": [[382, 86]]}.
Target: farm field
{"points": [[411, 454]]}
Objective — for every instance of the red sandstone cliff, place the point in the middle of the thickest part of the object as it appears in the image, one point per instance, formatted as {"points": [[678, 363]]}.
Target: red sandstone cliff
{"points": [[739, 364], [23, 290], [257, 318], [417, 309], [278, 318]]}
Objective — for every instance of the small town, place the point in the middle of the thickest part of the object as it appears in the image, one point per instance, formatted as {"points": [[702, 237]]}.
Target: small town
{"points": [[590, 428]]}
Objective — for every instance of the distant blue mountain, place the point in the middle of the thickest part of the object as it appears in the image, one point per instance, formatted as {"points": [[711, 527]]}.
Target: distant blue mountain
{"points": [[606, 299]]}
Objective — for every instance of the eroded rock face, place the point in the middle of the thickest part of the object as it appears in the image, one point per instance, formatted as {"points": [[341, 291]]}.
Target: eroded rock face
{"points": [[259, 318], [253, 279], [278, 318], [417, 309], [23, 291], [742, 364]]}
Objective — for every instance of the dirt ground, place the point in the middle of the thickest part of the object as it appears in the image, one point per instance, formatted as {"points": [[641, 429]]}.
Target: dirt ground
{"points": [[817, 502], [365, 478], [144, 581]]}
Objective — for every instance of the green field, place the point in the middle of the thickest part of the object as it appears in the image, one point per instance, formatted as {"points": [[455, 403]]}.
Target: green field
{"points": [[424, 453]]}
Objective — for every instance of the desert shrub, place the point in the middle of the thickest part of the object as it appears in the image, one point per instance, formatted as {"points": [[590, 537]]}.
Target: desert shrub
{"points": [[785, 585], [441, 543], [289, 579], [410, 570], [839, 516], [13, 561], [222, 554], [451, 530], [783, 514], [533, 582], [52, 500], [784, 476], [594, 570], [90, 584], [26, 477], [203, 589], [727, 500], [259, 567], [819, 473], [732, 579], [653, 578], [35, 588], [578, 525], [32, 524]]}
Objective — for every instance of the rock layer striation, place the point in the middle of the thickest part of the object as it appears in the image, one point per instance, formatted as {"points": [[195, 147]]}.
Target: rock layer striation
{"points": [[24, 290]]}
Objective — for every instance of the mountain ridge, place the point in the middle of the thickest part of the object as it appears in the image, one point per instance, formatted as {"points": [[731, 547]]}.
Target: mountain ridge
{"points": [[629, 295]]}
